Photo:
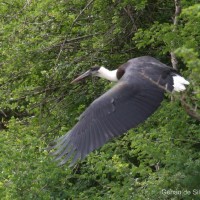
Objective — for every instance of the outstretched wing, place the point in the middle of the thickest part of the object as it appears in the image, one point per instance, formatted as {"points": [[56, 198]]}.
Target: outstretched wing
{"points": [[121, 108]]}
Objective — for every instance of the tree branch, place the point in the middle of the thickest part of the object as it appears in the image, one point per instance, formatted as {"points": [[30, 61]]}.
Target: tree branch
{"points": [[177, 3], [189, 109]]}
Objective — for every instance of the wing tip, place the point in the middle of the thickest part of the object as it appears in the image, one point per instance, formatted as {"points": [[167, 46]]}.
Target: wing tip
{"points": [[64, 151]]}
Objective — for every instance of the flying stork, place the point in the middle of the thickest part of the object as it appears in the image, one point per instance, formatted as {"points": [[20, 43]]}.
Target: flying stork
{"points": [[140, 88]]}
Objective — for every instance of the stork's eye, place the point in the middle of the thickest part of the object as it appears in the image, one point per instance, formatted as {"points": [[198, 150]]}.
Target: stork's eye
{"points": [[95, 68]]}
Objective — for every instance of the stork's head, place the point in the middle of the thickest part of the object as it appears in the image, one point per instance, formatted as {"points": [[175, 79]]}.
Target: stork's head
{"points": [[93, 71]]}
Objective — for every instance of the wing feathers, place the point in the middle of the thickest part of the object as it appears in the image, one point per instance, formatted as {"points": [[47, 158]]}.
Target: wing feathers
{"points": [[121, 108]]}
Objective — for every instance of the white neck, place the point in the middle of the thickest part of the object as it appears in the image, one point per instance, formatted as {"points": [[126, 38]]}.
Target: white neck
{"points": [[107, 74]]}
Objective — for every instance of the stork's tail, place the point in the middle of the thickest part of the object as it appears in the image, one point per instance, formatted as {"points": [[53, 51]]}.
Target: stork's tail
{"points": [[179, 83]]}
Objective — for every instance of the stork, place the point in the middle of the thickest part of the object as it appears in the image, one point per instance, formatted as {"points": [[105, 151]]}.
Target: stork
{"points": [[139, 91]]}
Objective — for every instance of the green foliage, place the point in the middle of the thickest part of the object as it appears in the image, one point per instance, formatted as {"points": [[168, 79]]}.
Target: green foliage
{"points": [[44, 45]]}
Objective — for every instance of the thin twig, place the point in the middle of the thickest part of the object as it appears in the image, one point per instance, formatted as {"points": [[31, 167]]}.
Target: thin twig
{"points": [[82, 11], [64, 41], [156, 83], [128, 12]]}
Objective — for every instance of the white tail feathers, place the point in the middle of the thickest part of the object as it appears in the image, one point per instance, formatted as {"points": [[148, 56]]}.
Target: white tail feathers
{"points": [[179, 83]]}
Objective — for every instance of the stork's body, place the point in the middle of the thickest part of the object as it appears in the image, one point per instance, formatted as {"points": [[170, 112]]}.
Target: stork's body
{"points": [[140, 88]]}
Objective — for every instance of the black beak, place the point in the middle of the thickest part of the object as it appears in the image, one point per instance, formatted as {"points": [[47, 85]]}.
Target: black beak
{"points": [[83, 76]]}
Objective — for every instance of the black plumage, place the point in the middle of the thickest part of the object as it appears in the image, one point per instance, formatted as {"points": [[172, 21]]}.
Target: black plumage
{"points": [[138, 93]]}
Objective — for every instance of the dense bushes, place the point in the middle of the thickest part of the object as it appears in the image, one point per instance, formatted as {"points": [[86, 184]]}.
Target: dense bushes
{"points": [[45, 44]]}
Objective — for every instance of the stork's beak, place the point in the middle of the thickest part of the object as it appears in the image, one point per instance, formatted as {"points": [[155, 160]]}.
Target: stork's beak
{"points": [[83, 76]]}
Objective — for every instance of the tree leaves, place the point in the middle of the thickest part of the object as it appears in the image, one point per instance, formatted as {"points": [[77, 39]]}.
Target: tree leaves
{"points": [[44, 45]]}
